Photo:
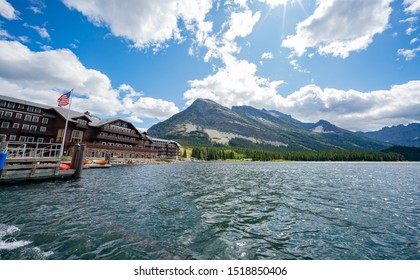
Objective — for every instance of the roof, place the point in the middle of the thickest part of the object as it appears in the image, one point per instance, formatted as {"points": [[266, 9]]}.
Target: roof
{"points": [[73, 114], [164, 140], [16, 100]]}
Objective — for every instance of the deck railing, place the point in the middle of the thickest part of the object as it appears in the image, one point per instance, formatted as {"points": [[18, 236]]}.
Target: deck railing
{"points": [[32, 150]]}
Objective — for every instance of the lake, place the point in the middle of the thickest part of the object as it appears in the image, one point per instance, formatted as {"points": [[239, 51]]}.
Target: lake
{"points": [[255, 210]]}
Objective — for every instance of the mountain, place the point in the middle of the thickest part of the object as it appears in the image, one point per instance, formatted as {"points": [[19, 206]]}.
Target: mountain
{"points": [[206, 122], [399, 135]]}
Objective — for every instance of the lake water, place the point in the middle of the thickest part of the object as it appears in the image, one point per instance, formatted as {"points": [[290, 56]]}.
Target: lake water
{"points": [[291, 210]]}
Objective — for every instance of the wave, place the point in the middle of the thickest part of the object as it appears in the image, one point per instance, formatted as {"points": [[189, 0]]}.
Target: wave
{"points": [[10, 243]]}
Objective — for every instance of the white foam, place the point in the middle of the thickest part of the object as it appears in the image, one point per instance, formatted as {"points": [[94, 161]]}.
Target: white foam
{"points": [[6, 230], [13, 245]]}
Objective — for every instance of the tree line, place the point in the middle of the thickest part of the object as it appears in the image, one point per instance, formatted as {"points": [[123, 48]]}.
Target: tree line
{"points": [[223, 153]]}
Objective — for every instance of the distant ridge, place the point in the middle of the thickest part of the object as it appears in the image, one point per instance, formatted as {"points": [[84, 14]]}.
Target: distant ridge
{"points": [[402, 135], [208, 123]]}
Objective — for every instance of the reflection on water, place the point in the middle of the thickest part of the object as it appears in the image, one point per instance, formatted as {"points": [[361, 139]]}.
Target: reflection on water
{"points": [[218, 211]]}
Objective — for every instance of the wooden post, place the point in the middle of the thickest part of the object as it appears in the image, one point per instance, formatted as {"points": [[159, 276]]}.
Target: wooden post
{"points": [[2, 143], [77, 160]]}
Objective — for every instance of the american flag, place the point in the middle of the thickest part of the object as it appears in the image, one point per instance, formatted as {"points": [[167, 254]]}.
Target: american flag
{"points": [[64, 99]]}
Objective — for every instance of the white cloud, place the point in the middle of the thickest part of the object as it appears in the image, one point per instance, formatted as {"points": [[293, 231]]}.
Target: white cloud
{"points": [[412, 6], [143, 22], [275, 3], [408, 54], [5, 35], [241, 24], [7, 11], [338, 27], [267, 55], [40, 76], [235, 84], [135, 104], [356, 110], [42, 31]]}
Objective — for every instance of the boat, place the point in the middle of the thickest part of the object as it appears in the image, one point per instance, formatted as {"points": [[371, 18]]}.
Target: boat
{"points": [[103, 162]]}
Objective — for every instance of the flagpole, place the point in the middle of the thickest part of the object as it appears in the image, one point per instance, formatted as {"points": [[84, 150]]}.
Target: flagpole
{"points": [[65, 127]]}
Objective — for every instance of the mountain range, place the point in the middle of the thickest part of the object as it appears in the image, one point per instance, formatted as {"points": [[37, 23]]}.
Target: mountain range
{"points": [[206, 123], [401, 135]]}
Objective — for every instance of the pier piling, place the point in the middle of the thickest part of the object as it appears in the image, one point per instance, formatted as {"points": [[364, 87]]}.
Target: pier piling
{"points": [[77, 160]]}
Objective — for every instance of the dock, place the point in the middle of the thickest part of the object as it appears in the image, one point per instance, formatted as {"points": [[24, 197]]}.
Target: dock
{"points": [[37, 161], [18, 169]]}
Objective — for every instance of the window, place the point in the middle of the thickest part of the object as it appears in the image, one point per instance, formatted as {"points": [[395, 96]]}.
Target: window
{"points": [[103, 154], [28, 118], [8, 114], [21, 106], [18, 116], [11, 105], [30, 109], [44, 120], [22, 138], [76, 135], [1, 113], [16, 125], [93, 153], [122, 155], [40, 140], [51, 140], [35, 119], [42, 129], [2, 103], [31, 139], [82, 122], [12, 138], [25, 126], [38, 110], [5, 125], [59, 137], [33, 128]]}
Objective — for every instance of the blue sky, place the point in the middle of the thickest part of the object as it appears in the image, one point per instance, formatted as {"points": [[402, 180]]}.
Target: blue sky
{"points": [[355, 63]]}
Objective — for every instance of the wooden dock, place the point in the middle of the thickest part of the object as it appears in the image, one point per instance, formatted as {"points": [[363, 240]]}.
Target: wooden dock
{"points": [[38, 163], [18, 169]]}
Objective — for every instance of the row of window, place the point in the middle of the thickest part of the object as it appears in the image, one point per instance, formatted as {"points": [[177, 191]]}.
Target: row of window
{"points": [[29, 118], [95, 153], [104, 134], [32, 128], [12, 105], [29, 139]]}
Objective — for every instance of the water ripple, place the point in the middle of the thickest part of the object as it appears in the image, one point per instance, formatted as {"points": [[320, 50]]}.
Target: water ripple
{"points": [[218, 211]]}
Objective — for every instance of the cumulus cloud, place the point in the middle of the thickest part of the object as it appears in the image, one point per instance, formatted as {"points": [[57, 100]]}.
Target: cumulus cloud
{"points": [[408, 54], [241, 24], [412, 6], [267, 55], [238, 84], [235, 84], [356, 110], [40, 76], [338, 27], [7, 11], [275, 3], [143, 22], [42, 31]]}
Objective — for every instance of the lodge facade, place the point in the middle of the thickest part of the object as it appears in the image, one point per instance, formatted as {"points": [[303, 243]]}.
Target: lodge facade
{"points": [[30, 122]]}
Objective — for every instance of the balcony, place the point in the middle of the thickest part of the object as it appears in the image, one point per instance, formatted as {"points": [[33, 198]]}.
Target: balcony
{"points": [[116, 148], [83, 126], [121, 132], [117, 139]]}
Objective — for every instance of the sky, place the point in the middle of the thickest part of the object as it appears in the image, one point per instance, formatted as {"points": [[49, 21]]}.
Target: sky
{"points": [[355, 63]]}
